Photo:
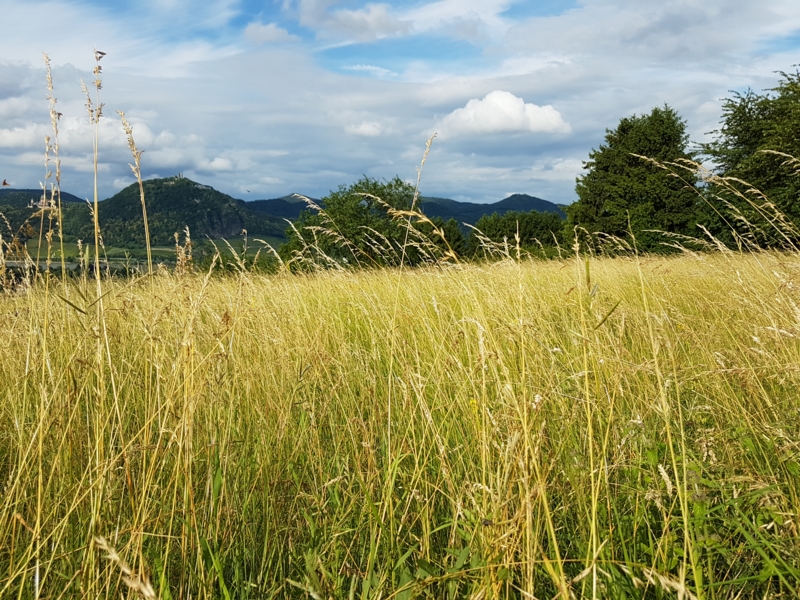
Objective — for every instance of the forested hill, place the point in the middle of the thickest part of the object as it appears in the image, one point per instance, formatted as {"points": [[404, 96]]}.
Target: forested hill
{"points": [[469, 212], [173, 204], [285, 207], [290, 207], [25, 196]]}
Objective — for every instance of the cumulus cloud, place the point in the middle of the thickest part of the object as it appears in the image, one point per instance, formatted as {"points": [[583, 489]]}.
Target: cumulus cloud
{"points": [[216, 164], [23, 137], [502, 112], [122, 182], [367, 129], [268, 34]]}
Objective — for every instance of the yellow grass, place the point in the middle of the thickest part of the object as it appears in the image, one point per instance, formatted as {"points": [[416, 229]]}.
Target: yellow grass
{"points": [[470, 431]]}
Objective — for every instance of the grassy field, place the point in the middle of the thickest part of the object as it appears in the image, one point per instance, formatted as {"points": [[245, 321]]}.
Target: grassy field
{"points": [[138, 256], [590, 428]]}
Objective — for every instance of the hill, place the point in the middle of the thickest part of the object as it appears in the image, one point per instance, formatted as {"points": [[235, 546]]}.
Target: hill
{"points": [[24, 196], [290, 207], [470, 212], [173, 204], [285, 207]]}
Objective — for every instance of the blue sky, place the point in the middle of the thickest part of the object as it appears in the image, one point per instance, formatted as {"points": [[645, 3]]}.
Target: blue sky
{"points": [[280, 96]]}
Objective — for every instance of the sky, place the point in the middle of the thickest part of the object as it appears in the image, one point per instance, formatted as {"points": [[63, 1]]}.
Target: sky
{"points": [[262, 98]]}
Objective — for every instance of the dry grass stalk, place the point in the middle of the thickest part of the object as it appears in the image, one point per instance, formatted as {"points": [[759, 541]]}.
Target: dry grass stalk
{"points": [[136, 167], [137, 583]]}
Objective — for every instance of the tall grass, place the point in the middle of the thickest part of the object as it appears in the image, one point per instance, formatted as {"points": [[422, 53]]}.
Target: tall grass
{"points": [[588, 427], [540, 445]]}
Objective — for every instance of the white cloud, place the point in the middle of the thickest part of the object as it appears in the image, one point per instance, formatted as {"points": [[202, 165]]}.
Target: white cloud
{"points": [[367, 129], [502, 112], [372, 70], [11, 108], [367, 24], [674, 31], [23, 137], [268, 34], [370, 23], [559, 169], [217, 164], [470, 20], [122, 182]]}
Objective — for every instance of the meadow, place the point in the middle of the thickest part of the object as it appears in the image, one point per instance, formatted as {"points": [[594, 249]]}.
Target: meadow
{"points": [[588, 427], [598, 425]]}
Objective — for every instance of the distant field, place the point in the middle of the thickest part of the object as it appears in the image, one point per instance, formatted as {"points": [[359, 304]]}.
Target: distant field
{"points": [[162, 253], [71, 251], [609, 428]]}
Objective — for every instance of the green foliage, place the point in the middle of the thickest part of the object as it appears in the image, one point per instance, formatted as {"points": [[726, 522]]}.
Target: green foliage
{"points": [[454, 236], [452, 232], [535, 229], [620, 186], [355, 226], [752, 123]]}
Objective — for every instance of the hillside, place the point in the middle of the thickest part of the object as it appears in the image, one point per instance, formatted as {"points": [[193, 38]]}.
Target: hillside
{"points": [[470, 212], [24, 196], [290, 207], [175, 203], [285, 207], [172, 205]]}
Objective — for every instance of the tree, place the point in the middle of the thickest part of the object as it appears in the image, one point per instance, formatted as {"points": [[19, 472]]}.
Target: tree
{"points": [[454, 238], [622, 191], [355, 225], [752, 123], [533, 227]]}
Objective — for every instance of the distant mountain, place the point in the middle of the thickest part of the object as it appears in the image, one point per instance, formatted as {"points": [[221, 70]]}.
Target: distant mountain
{"points": [[175, 203], [9, 195], [285, 207], [290, 207], [470, 212]]}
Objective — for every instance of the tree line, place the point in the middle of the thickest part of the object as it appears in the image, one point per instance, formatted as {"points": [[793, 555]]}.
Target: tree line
{"points": [[646, 184]]}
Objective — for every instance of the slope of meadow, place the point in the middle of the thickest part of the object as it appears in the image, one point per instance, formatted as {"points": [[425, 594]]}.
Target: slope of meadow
{"points": [[476, 431]]}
